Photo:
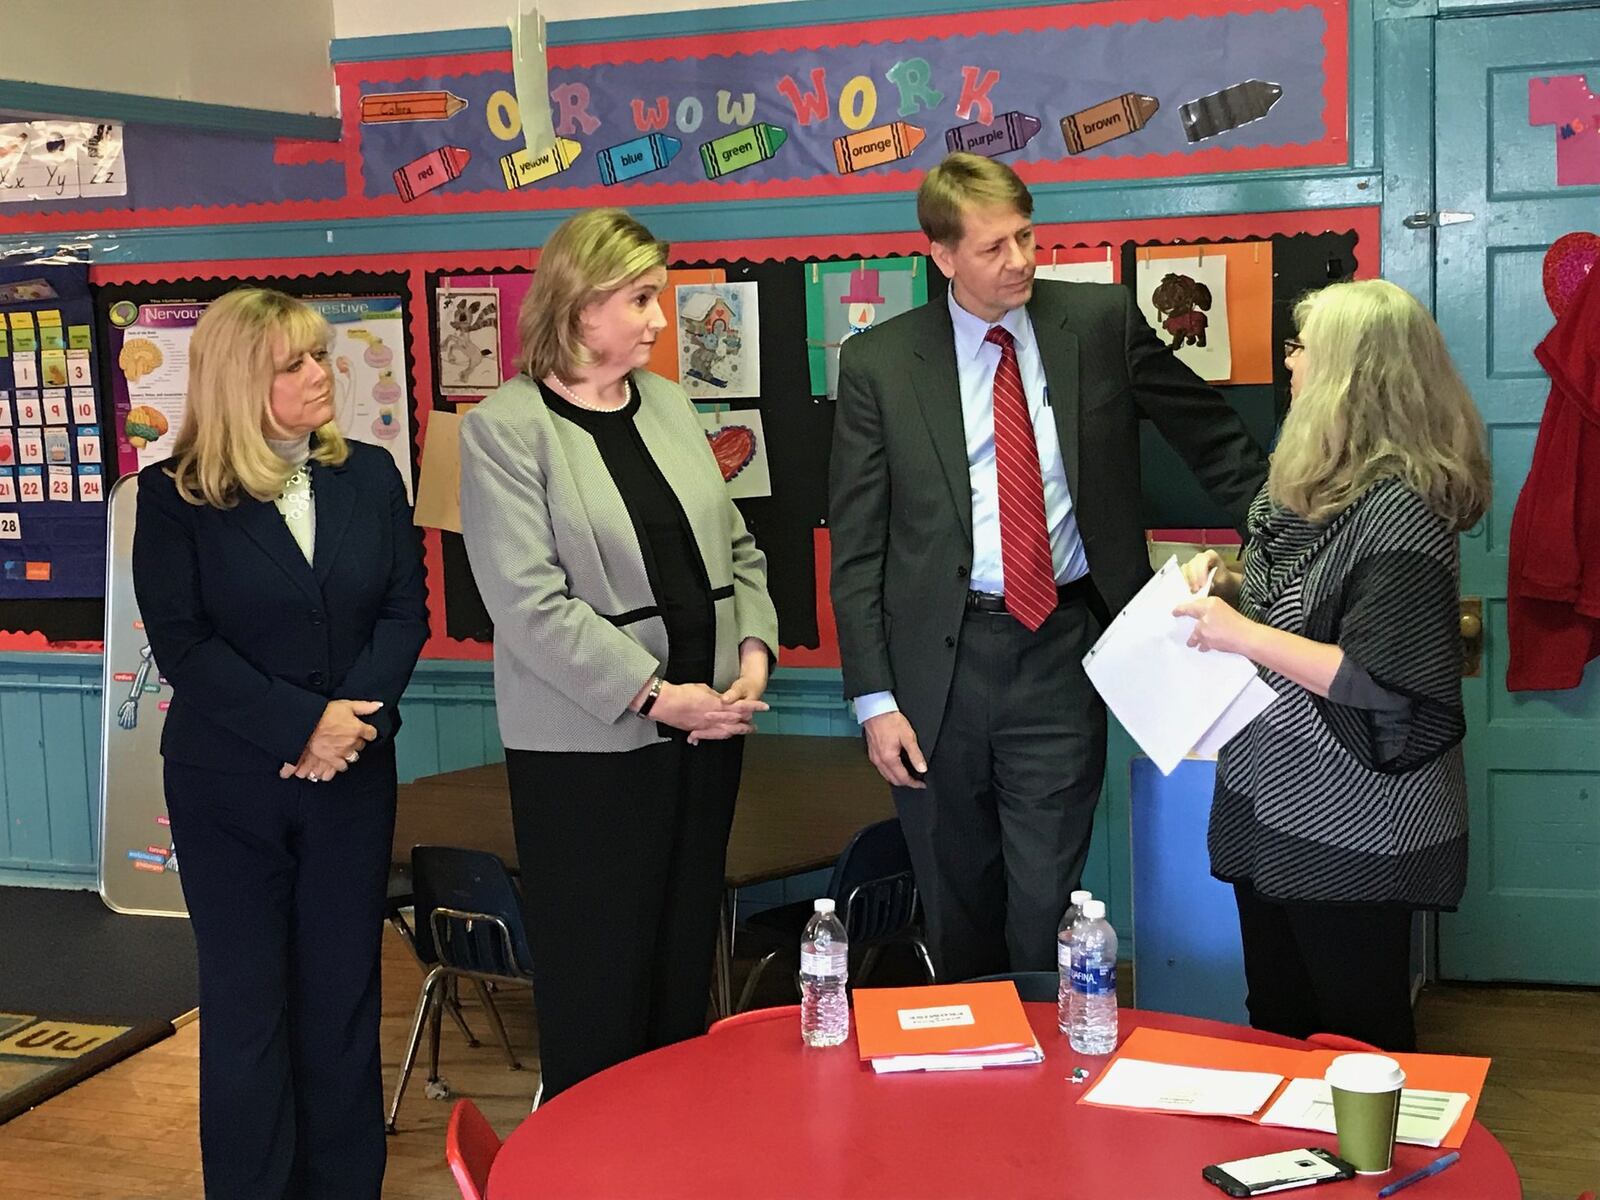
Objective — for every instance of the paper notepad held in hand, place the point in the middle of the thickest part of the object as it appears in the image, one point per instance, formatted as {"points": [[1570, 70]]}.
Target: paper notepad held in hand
{"points": [[948, 1027], [1172, 697]]}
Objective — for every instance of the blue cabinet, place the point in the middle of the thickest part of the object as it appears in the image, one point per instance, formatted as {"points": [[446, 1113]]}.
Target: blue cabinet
{"points": [[1186, 954]]}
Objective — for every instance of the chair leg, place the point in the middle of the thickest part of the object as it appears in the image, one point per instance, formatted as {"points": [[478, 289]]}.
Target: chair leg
{"points": [[451, 1003], [927, 959], [436, 1017], [750, 982], [424, 1004], [499, 1025]]}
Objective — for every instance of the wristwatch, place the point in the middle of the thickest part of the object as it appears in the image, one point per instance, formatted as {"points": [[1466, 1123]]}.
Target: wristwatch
{"points": [[651, 696]]}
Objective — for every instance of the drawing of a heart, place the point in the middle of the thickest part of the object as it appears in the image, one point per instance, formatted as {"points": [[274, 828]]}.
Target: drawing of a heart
{"points": [[1566, 264], [735, 448]]}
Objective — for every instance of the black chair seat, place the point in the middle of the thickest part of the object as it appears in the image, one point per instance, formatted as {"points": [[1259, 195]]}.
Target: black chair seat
{"points": [[1034, 987]]}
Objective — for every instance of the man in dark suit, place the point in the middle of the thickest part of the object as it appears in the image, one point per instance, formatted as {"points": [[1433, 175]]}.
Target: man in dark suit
{"points": [[985, 461]]}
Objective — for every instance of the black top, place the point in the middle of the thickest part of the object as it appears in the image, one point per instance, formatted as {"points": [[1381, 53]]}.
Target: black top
{"points": [[672, 560]]}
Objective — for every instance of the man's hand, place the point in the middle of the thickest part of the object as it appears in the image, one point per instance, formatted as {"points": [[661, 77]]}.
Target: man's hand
{"points": [[889, 737]]}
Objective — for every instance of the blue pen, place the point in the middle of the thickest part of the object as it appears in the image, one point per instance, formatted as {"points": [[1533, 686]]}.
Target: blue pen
{"points": [[1432, 1168]]}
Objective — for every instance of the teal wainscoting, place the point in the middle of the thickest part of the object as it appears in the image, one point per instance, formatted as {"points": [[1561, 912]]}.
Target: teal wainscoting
{"points": [[50, 763]]}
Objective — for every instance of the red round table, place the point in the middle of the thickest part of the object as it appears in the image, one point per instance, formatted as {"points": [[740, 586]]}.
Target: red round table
{"points": [[749, 1111]]}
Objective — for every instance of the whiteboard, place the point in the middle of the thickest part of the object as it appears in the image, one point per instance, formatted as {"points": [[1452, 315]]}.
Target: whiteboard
{"points": [[138, 868]]}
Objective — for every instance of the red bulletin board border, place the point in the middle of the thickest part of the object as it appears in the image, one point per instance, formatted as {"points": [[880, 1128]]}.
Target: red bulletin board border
{"points": [[1332, 149], [1364, 221]]}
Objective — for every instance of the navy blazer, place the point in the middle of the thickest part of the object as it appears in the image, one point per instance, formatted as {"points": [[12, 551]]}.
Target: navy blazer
{"points": [[254, 640]]}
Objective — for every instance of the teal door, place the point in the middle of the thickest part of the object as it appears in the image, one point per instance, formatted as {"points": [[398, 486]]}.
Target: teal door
{"points": [[1532, 909]]}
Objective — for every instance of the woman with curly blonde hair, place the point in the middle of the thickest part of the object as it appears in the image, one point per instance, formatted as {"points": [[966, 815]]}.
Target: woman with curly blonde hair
{"points": [[1342, 808]]}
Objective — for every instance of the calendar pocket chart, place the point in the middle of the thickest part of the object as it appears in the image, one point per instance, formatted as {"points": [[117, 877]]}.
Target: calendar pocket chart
{"points": [[52, 452]]}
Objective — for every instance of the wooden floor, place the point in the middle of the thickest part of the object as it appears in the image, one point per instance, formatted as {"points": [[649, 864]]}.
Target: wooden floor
{"points": [[130, 1133]]}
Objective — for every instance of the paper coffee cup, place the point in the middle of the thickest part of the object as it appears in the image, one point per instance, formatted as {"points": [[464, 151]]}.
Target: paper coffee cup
{"points": [[1366, 1109]]}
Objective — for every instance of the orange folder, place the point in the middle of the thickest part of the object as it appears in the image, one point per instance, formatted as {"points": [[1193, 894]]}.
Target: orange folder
{"points": [[1427, 1072], [934, 1020]]}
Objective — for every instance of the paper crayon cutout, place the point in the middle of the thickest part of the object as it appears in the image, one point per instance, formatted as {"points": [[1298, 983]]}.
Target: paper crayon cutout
{"points": [[384, 107], [1228, 109], [1107, 121], [1010, 131], [520, 168], [756, 143], [876, 146], [433, 170], [629, 160]]}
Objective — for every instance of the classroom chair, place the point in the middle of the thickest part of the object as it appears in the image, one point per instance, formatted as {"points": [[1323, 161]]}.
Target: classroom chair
{"points": [[470, 1146], [469, 923], [876, 898], [754, 1016], [398, 899], [1033, 987]]}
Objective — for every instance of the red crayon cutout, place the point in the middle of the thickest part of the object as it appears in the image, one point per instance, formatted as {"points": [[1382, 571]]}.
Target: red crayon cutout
{"points": [[434, 169]]}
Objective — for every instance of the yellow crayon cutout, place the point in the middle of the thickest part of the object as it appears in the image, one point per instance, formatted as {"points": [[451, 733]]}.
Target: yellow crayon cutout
{"points": [[876, 146], [520, 168]]}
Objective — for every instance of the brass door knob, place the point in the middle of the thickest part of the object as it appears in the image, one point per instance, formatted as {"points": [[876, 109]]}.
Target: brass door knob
{"points": [[1471, 626]]}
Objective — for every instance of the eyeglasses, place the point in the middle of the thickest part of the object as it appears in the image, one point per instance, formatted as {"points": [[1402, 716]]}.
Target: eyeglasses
{"points": [[1292, 346]]}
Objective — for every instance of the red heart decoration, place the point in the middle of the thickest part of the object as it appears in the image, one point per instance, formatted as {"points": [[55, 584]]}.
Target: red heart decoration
{"points": [[735, 448], [1566, 265]]}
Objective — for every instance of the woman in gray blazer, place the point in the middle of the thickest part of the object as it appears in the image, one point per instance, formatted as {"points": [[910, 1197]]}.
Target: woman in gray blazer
{"points": [[633, 639]]}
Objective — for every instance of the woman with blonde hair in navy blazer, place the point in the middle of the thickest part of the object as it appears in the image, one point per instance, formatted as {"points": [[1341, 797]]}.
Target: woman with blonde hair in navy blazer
{"points": [[280, 582]]}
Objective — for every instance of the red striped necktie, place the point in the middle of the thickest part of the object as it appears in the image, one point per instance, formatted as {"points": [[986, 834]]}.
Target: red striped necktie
{"points": [[1024, 536]]}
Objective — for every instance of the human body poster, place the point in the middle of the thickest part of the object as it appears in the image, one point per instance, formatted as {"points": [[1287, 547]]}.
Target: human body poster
{"points": [[151, 380]]}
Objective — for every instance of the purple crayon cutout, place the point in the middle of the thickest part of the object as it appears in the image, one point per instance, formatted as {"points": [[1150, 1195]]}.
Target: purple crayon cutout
{"points": [[1009, 131]]}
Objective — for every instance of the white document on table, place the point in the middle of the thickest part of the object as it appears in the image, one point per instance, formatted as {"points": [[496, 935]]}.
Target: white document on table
{"points": [[1426, 1118], [1161, 1087], [1167, 693]]}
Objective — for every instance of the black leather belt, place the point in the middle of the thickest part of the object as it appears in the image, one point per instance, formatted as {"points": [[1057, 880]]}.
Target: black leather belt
{"points": [[1079, 591]]}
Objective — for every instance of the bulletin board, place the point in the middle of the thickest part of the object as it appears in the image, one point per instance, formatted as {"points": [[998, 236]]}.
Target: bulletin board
{"points": [[1115, 89]]}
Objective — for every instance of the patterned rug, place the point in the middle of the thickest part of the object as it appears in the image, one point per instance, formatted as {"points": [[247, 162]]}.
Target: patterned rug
{"points": [[40, 1055], [82, 987]]}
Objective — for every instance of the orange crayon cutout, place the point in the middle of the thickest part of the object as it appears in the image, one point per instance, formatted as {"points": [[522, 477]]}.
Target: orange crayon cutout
{"points": [[410, 106], [432, 170], [876, 146]]}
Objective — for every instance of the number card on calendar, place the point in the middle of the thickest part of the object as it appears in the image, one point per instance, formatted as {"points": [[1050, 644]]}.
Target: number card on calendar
{"points": [[84, 409], [30, 411], [61, 484], [30, 485], [10, 526], [54, 405], [8, 486], [91, 484]]}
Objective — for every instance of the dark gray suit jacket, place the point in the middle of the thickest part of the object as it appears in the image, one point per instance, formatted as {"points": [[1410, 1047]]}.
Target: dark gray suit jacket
{"points": [[900, 499]]}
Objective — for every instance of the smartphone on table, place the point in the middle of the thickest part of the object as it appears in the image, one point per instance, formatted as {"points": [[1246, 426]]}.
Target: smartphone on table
{"points": [[1277, 1172]]}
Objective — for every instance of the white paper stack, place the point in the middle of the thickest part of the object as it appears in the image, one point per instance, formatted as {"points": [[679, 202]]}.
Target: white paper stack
{"points": [[1171, 697]]}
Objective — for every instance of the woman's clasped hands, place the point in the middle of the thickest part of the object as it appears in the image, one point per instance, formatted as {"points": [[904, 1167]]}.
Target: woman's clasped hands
{"points": [[336, 742]]}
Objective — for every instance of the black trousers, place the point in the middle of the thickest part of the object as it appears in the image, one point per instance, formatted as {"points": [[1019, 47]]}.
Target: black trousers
{"points": [[622, 860], [285, 882], [1000, 834], [1328, 968]]}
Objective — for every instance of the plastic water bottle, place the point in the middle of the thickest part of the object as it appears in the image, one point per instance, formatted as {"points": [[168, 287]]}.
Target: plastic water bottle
{"points": [[824, 970], [1064, 958], [1094, 983]]}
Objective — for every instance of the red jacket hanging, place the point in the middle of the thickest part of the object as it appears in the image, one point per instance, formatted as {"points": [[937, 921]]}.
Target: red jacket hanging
{"points": [[1553, 587]]}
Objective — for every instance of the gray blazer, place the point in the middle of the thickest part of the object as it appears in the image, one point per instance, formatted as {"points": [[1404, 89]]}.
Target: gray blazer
{"points": [[558, 562]]}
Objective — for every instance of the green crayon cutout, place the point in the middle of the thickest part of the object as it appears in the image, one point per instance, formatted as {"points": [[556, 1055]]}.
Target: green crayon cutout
{"points": [[731, 151]]}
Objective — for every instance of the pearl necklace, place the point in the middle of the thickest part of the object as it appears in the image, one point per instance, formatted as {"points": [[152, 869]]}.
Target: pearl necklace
{"points": [[556, 385]]}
